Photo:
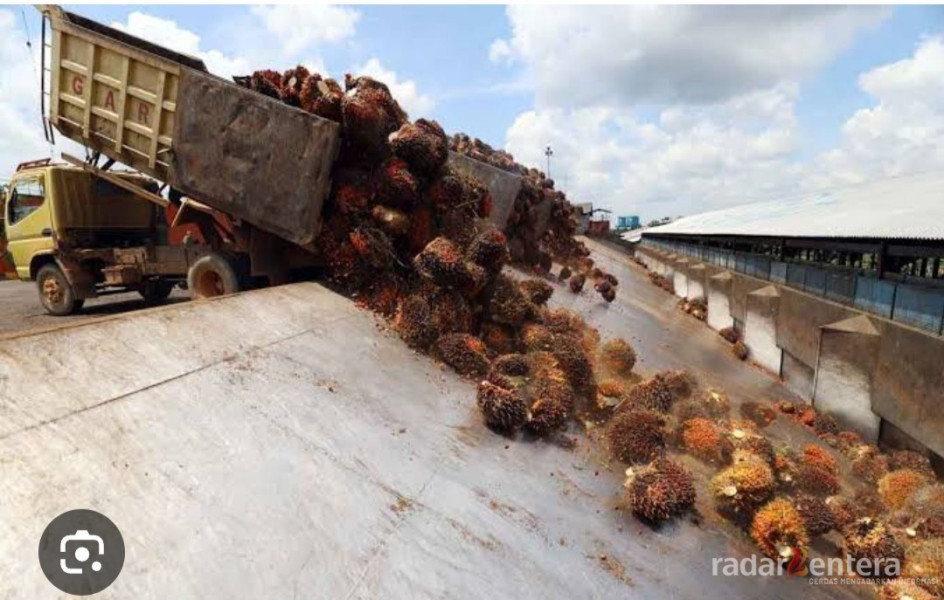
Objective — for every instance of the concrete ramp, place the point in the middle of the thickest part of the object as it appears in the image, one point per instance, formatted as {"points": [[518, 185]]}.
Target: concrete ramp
{"points": [[277, 444]]}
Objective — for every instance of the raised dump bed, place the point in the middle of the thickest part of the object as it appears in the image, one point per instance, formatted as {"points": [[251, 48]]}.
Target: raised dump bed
{"points": [[163, 114], [502, 185]]}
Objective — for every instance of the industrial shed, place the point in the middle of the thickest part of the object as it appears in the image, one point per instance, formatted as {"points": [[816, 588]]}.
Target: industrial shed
{"points": [[878, 246], [839, 294]]}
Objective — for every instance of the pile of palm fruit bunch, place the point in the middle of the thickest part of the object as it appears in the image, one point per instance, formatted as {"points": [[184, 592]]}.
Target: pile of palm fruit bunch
{"points": [[482, 152], [404, 235], [661, 282], [868, 503], [697, 307], [542, 223], [407, 237]]}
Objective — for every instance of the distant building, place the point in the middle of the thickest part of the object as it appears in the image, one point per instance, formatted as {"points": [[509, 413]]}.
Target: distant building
{"points": [[630, 222]]}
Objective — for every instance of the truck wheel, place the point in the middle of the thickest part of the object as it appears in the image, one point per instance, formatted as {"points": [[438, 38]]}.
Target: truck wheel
{"points": [[155, 291], [212, 275], [55, 293]]}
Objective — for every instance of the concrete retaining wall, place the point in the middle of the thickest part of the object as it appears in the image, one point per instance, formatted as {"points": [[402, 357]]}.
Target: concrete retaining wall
{"points": [[760, 328], [719, 309], [889, 380], [668, 266], [797, 375], [843, 388], [908, 382], [799, 322], [680, 278], [696, 281]]}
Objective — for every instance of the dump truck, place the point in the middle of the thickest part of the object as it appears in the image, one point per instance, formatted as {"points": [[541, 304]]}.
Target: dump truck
{"points": [[61, 220], [248, 172]]}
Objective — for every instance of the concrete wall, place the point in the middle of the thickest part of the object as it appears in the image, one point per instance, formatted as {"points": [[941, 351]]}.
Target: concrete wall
{"points": [[847, 354], [908, 382], [891, 380], [760, 328], [696, 281], [719, 309], [797, 375], [801, 317], [680, 278], [668, 264], [741, 286]]}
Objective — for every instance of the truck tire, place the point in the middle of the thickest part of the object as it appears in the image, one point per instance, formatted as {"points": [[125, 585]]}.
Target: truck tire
{"points": [[212, 275], [155, 291], [55, 293]]}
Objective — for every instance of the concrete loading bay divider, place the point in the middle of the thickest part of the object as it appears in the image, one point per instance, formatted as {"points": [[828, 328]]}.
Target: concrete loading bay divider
{"points": [[878, 377]]}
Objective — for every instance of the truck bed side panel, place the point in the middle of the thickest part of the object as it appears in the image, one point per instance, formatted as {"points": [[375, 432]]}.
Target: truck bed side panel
{"points": [[502, 185], [159, 112], [264, 162]]}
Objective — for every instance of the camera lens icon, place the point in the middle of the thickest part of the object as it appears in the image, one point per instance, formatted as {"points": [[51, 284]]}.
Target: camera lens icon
{"points": [[81, 552], [81, 540]]}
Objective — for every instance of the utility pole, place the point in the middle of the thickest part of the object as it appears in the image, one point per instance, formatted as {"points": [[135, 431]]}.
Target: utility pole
{"points": [[548, 153]]}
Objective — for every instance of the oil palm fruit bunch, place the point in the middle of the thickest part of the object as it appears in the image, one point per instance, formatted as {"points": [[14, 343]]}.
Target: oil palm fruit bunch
{"points": [[778, 529], [464, 353], [636, 436], [870, 539], [659, 491], [742, 487], [502, 409]]}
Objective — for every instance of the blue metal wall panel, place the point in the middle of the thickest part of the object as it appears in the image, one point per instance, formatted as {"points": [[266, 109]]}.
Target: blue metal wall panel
{"points": [[840, 286], [740, 264], [759, 266], [815, 282], [778, 271], [796, 274], [920, 307], [875, 296]]}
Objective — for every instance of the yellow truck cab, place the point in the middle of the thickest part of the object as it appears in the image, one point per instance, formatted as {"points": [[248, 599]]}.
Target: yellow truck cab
{"points": [[79, 236]]}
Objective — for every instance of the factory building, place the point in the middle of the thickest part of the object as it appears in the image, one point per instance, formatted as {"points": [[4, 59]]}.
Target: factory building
{"points": [[841, 294]]}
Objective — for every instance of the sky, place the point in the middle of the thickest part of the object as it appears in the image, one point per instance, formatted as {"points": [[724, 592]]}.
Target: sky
{"points": [[650, 110]]}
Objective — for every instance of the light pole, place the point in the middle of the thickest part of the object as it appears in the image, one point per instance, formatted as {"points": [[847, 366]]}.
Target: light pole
{"points": [[548, 153]]}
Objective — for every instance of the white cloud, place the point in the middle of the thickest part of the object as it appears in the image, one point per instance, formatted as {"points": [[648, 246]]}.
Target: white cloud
{"points": [[668, 110], [692, 158], [405, 92], [22, 137], [618, 55], [902, 132], [166, 32], [301, 26], [687, 160], [500, 51]]}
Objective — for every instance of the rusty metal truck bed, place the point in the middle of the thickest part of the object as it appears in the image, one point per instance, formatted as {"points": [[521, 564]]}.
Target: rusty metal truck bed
{"points": [[163, 114]]}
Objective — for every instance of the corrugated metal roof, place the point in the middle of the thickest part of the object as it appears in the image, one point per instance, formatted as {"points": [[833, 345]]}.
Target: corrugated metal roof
{"points": [[633, 235], [910, 207]]}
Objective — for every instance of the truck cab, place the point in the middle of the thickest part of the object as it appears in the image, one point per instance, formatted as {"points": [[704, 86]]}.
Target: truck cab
{"points": [[72, 232]]}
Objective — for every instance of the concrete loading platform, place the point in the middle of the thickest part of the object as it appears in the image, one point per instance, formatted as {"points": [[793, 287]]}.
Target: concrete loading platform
{"points": [[278, 444]]}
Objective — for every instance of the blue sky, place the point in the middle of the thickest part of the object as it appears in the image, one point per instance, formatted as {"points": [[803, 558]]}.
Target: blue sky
{"points": [[443, 48], [651, 110], [833, 93]]}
